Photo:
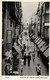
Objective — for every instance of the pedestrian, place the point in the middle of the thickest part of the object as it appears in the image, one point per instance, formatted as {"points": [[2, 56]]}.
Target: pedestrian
{"points": [[27, 45], [6, 71], [25, 59], [38, 69], [22, 52], [22, 61], [21, 70], [29, 59], [35, 49], [33, 56], [24, 47], [38, 53]]}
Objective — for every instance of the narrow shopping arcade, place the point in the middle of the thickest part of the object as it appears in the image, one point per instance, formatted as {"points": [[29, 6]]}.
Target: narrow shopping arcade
{"points": [[25, 38], [31, 71]]}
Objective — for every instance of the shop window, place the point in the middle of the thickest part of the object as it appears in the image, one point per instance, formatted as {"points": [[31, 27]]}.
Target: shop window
{"points": [[46, 32], [9, 36], [46, 18], [47, 5]]}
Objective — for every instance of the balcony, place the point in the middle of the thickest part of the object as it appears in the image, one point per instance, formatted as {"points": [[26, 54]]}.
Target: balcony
{"points": [[12, 10]]}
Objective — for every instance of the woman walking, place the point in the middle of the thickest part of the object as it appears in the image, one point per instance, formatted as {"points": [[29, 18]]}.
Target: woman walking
{"points": [[29, 59], [25, 59]]}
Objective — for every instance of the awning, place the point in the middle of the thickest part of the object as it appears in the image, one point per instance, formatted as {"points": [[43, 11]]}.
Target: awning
{"points": [[33, 37], [37, 40], [46, 53], [41, 44], [17, 49], [44, 47], [13, 49]]}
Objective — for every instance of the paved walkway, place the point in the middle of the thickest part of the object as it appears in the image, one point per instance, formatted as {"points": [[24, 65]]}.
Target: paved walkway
{"points": [[31, 71]]}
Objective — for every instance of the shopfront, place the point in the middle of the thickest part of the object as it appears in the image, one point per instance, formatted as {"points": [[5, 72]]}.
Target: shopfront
{"points": [[42, 50], [16, 56]]}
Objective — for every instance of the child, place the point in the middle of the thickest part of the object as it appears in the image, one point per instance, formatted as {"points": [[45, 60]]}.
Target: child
{"points": [[21, 70], [38, 69]]}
